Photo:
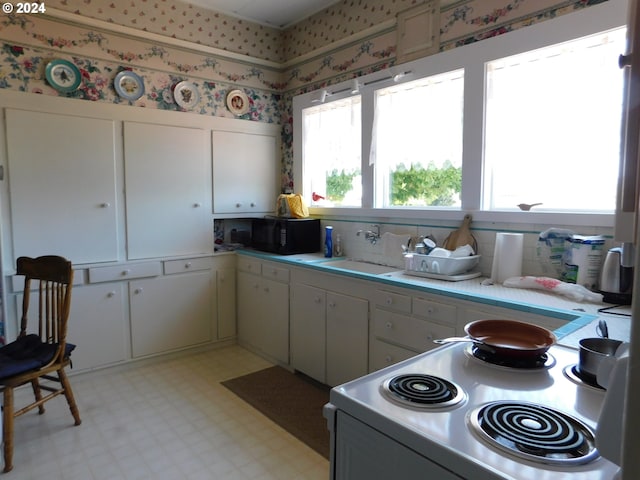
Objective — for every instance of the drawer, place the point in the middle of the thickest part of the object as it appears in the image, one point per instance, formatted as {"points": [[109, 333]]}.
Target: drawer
{"points": [[124, 272], [393, 301], [275, 273], [383, 354], [187, 265], [249, 265], [440, 312], [408, 331]]}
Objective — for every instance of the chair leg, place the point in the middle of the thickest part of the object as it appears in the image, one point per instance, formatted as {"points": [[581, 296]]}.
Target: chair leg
{"points": [[35, 385], [7, 428], [68, 393]]}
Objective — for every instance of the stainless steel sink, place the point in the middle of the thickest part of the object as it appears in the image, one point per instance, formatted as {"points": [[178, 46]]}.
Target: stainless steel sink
{"points": [[362, 267]]}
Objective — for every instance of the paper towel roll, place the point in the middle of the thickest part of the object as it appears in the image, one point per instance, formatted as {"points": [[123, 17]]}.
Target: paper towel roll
{"points": [[507, 257]]}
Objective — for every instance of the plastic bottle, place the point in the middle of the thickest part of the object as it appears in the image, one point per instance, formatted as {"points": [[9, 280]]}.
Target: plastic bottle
{"points": [[338, 246], [328, 242]]}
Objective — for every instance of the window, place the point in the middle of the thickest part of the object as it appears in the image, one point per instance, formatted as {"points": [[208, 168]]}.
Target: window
{"points": [[332, 147], [530, 116], [417, 144], [553, 126]]}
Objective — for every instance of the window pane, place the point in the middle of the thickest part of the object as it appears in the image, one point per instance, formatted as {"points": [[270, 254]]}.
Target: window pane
{"points": [[331, 156], [553, 126], [417, 142]]}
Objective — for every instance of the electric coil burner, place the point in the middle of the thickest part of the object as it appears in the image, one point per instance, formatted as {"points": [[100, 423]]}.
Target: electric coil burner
{"points": [[423, 391], [573, 373], [539, 362], [534, 432]]}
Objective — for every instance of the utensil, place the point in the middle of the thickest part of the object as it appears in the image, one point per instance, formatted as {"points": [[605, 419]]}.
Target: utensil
{"points": [[461, 237], [592, 352], [511, 338], [602, 329]]}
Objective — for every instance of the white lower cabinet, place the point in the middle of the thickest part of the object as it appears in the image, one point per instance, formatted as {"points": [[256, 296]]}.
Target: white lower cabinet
{"points": [[170, 312], [98, 325], [329, 334], [404, 325], [226, 302], [263, 308]]}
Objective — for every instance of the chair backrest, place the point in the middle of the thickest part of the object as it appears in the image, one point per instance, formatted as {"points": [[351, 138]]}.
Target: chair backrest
{"points": [[50, 277]]}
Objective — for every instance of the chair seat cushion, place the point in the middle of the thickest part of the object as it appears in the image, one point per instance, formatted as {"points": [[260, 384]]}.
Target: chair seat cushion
{"points": [[27, 353]]}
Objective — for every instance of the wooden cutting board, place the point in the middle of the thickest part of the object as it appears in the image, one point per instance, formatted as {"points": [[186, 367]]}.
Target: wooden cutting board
{"points": [[461, 237]]}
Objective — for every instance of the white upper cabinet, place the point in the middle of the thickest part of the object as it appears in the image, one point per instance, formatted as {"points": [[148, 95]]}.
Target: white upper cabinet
{"points": [[245, 172], [167, 190], [62, 171]]}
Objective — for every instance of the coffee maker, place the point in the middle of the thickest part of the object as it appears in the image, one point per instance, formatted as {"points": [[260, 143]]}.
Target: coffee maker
{"points": [[616, 280]]}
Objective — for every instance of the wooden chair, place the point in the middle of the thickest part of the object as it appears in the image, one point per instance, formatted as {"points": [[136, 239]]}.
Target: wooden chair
{"points": [[44, 353]]}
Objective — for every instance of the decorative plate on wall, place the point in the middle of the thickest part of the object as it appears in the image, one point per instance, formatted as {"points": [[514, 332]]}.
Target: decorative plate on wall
{"points": [[237, 102], [186, 95], [63, 75], [128, 85]]}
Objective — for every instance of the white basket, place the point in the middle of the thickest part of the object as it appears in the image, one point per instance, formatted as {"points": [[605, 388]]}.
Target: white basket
{"points": [[415, 262]]}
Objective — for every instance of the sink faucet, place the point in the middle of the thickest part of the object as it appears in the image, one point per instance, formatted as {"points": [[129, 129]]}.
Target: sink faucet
{"points": [[371, 235]]}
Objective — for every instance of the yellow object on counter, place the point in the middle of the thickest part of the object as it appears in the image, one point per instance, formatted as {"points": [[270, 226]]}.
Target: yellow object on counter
{"points": [[292, 205]]}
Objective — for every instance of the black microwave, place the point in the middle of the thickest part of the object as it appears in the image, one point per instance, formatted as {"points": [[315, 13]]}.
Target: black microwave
{"points": [[285, 236]]}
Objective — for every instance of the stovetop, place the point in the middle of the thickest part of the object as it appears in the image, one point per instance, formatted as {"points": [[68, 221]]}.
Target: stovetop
{"points": [[444, 434]]}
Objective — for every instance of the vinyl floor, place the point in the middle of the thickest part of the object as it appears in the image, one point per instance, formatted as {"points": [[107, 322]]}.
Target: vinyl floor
{"points": [[162, 419]]}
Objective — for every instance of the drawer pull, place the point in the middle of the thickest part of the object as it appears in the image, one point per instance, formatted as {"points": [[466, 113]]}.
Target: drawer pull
{"points": [[126, 272], [389, 301], [111, 294], [138, 291], [187, 265], [105, 205], [389, 325], [197, 205]]}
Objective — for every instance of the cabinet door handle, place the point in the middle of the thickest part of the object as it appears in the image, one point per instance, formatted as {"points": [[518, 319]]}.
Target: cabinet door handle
{"points": [[105, 205], [389, 301], [138, 291], [253, 204], [389, 325], [431, 310], [111, 294], [126, 272], [317, 300], [197, 205], [238, 205], [332, 304], [266, 289], [187, 265]]}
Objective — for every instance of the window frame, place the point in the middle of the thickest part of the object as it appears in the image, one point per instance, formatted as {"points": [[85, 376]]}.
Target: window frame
{"points": [[472, 59]]}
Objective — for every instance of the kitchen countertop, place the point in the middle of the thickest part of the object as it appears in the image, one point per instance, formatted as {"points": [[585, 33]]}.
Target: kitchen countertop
{"points": [[582, 317]]}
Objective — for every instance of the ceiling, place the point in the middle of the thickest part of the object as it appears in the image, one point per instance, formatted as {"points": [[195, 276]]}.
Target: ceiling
{"points": [[272, 13]]}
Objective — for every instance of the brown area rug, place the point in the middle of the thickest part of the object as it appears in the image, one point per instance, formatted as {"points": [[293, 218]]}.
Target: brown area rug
{"points": [[293, 401]]}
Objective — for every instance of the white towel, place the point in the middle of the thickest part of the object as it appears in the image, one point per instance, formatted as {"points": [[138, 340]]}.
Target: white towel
{"points": [[392, 248]]}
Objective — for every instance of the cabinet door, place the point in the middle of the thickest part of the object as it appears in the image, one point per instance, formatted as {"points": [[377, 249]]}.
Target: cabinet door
{"points": [[98, 325], [167, 190], [245, 172], [347, 338], [170, 312], [226, 302], [62, 186], [249, 309], [308, 331], [275, 320]]}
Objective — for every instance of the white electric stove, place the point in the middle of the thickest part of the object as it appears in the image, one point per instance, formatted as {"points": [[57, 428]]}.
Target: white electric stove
{"points": [[448, 414]]}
